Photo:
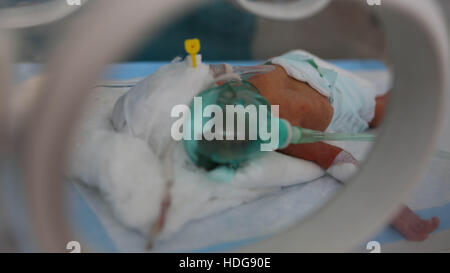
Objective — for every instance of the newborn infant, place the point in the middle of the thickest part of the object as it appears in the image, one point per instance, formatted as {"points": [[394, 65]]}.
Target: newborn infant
{"points": [[311, 95]]}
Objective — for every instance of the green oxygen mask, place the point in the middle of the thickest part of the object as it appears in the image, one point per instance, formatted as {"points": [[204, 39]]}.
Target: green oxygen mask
{"points": [[241, 136]]}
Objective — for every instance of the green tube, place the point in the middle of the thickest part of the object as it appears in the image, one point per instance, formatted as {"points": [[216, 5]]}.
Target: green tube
{"points": [[302, 136]]}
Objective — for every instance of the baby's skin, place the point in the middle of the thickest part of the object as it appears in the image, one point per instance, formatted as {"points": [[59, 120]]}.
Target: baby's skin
{"points": [[303, 106]]}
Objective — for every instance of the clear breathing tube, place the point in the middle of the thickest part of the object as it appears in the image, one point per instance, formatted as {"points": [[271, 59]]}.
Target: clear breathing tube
{"points": [[310, 136], [297, 135]]}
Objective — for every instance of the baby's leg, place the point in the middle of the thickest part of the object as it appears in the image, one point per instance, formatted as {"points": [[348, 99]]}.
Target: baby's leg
{"points": [[380, 109], [408, 223]]}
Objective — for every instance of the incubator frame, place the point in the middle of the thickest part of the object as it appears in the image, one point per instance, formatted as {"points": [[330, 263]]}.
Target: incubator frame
{"points": [[402, 151], [33, 15], [284, 11]]}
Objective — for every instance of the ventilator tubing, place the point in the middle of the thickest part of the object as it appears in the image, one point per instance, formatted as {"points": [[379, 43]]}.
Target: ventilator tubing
{"points": [[296, 135]]}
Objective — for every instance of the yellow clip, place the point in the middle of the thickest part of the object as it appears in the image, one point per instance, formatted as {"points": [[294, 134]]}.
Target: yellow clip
{"points": [[192, 47]]}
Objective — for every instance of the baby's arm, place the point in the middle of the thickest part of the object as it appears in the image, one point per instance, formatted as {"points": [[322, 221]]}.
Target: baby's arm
{"points": [[320, 153]]}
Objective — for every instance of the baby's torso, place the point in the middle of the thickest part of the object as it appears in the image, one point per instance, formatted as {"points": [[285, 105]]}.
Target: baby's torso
{"points": [[315, 94], [299, 103]]}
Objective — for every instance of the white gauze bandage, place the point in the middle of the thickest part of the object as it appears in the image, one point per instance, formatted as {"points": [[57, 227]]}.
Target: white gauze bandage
{"points": [[343, 167]]}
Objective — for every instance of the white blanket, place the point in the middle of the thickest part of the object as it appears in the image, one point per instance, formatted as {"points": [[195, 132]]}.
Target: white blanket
{"points": [[128, 174]]}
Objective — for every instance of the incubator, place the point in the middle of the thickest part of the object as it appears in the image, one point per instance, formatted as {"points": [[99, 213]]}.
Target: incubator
{"points": [[95, 38]]}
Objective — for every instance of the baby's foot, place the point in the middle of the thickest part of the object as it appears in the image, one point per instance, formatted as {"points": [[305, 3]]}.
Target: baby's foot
{"points": [[410, 225]]}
